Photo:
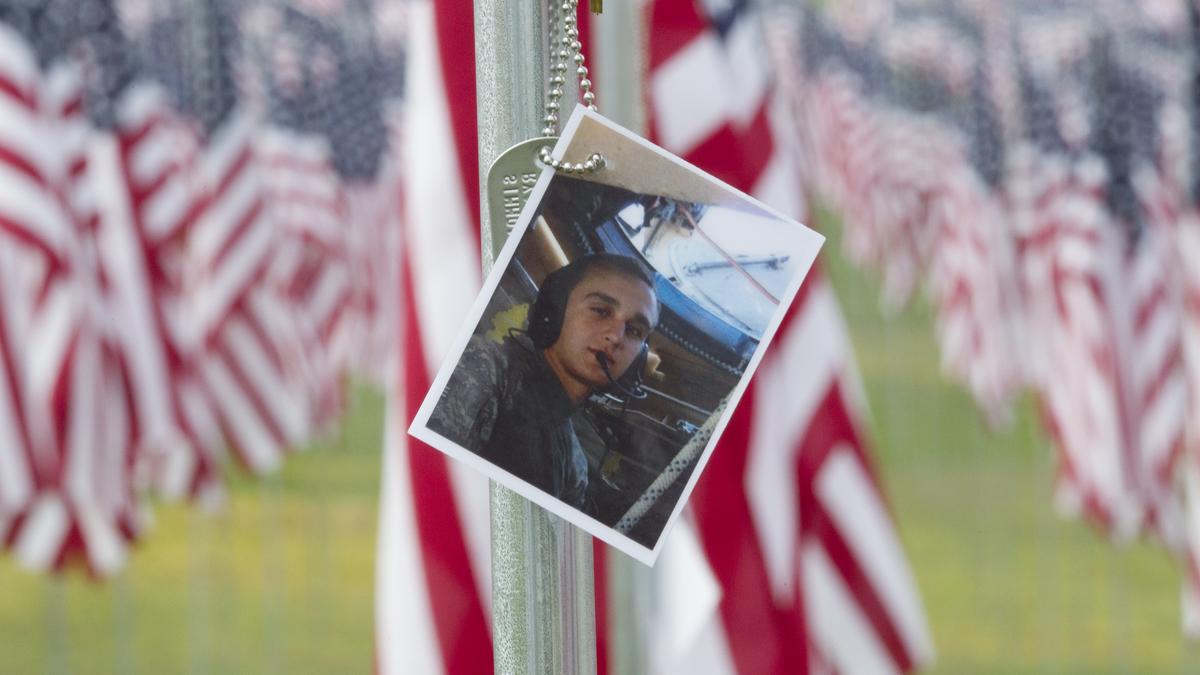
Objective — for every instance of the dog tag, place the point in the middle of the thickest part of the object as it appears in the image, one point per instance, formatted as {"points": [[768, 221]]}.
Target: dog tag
{"points": [[510, 181]]}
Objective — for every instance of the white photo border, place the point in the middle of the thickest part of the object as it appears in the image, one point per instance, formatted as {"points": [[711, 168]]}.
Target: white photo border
{"points": [[606, 533]]}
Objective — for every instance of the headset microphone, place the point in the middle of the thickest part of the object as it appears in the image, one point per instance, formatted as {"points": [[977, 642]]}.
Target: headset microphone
{"points": [[637, 392]]}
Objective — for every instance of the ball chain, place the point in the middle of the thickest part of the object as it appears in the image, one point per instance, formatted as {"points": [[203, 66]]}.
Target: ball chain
{"points": [[565, 47]]}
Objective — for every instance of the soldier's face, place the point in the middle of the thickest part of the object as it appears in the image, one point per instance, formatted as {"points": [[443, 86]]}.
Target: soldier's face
{"points": [[608, 314]]}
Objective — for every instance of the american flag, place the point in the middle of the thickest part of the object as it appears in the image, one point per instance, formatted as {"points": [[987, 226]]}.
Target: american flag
{"points": [[249, 349], [969, 281], [1098, 218], [789, 514], [145, 156], [24, 224], [972, 258], [433, 573], [878, 164], [1187, 246], [330, 193], [328, 85], [905, 142], [72, 501], [162, 298], [311, 266], [248, 363], [1048, 210], [17, 480]]}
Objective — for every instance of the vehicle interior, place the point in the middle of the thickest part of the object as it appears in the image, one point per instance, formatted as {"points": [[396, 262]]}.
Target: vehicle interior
{"points": [[697, 353]]}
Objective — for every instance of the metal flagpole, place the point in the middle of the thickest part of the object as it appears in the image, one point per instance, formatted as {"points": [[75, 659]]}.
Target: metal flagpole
{"points": [[543, 607], [620, 70]]}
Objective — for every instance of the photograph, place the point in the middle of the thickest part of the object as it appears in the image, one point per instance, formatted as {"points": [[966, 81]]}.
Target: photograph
{"points": [[619, 326]]}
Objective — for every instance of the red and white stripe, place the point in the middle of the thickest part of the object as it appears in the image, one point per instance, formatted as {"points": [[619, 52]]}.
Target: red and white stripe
{"points": [[19, 137], [971, 283], [374, 244], [62, 410], [146, 192], [249, 343], [310, 266], [1110, 368], [95, 437], [789, 514], [1063, 236], [914, 208], [1188, 247], [17, 479], [433, 570], [1158, 395], [881, 169], [1106, 313]]}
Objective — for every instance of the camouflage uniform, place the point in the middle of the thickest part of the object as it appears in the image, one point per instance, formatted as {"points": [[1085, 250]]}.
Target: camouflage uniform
{"points": [[504, 403]]}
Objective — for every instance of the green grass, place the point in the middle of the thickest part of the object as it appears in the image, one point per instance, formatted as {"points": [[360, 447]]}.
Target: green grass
{"points": [[281, 581]]}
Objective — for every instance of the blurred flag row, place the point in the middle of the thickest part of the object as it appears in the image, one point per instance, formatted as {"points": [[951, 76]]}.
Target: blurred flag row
{"points": [[196, 226], [1032, 167]]}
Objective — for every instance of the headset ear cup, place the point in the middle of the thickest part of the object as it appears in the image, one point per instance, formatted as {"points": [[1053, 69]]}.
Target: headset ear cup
{"points": [[536, 323], [546, 316]]}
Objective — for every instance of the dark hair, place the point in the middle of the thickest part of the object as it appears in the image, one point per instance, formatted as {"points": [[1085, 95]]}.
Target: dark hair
{"points": [[546, 315]]}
